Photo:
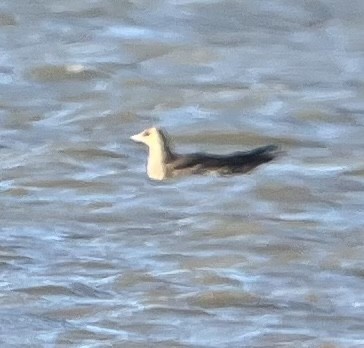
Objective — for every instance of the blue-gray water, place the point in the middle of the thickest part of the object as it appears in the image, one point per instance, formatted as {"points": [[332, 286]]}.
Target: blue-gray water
{"points": [[93, 254]]}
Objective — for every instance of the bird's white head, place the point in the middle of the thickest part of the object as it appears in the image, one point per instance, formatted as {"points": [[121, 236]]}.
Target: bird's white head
{"points": [[151, 137]]}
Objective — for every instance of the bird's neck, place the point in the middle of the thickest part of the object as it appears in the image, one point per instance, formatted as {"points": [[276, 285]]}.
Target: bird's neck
{"points": [[159, 156]]}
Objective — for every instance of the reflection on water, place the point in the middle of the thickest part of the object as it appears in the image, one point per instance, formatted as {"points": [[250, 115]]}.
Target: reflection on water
{"points": [[94, 254]]}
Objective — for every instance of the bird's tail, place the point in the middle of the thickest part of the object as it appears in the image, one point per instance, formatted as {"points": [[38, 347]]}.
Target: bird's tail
{"points": [[265, 152], [258, 156]]}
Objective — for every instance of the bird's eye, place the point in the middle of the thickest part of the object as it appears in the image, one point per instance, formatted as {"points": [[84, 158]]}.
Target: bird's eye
{"points": [[146, 133]]}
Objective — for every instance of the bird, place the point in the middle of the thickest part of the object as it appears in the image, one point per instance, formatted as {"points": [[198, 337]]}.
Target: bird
{"points": [[163, 163]]}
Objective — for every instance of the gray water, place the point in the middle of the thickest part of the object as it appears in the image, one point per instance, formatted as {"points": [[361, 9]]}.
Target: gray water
{"points": [[94, 254]]}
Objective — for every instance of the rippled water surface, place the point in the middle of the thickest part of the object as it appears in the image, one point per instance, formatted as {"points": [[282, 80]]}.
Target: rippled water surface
{"points": [[93, 254]]}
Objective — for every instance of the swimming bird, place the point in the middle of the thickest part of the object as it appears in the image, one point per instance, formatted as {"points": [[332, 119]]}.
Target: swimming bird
{"points": [[163, 163]]}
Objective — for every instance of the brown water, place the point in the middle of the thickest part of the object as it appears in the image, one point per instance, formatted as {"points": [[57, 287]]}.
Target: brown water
{"points": [[93, 254]]}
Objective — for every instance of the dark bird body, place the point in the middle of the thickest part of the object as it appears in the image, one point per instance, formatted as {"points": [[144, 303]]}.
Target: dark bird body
{"points": [[163, 163]]}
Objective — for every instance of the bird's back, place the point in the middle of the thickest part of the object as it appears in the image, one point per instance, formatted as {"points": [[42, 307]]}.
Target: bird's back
{"points": [[237, 162]]}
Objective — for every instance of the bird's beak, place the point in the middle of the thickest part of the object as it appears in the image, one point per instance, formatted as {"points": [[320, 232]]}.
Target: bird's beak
{"points": [[137, 137]]}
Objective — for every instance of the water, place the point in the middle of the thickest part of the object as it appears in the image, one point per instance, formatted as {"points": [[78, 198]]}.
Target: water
{"points": [[93, 254]]}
